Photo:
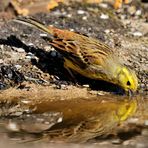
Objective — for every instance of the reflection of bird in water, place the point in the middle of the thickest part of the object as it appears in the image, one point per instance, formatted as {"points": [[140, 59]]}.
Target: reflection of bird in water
{"points": [[84, 119], [57, 116]]}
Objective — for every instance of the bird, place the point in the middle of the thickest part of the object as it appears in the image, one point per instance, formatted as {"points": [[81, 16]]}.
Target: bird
{"points": [[87, 56]]}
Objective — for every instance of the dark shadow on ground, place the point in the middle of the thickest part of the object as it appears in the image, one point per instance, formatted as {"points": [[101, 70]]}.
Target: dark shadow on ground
{"points": [[54, 66]]}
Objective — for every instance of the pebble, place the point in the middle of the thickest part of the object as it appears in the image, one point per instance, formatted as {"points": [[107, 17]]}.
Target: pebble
{"points": [[146, 122], [116, 141], [1, 61], [39, 119], [104, 16], [48, 48], [138, 12], [12, 126], [93, 92], [21, 50], [18, 66], [140, 145], [29, 55], [128, 142], [60, 120], [132, 10], [72, 29], [25, 101], [144, 132], [53, 53], [30, 44], [80, 12], [122, 17], [86, 85], [84, 18], [17, 113], [2, 47], [63, 86], [103, 5], [133, 120], [69, 15], [137, 33], [101, 93], [107, 31], [43, 35]]}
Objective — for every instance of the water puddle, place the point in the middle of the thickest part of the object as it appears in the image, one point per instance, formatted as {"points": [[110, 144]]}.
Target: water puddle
{"points": [[53, 116]]}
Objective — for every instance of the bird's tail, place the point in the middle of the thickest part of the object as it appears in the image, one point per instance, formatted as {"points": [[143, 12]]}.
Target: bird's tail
{"points": [[34, 23]]}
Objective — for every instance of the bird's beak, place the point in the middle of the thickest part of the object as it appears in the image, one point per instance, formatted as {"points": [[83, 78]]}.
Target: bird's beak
{"points": [[130, 93]]}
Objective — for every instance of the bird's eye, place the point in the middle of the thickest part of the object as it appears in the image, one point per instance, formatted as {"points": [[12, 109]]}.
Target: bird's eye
{"points": [[128, 83]]}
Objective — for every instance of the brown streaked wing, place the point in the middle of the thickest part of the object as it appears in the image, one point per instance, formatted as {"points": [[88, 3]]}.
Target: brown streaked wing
{"points": [[69, 50], [94, 52], [82, 50]]}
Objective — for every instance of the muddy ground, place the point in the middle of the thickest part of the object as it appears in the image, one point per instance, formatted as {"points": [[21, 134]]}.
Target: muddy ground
{"points": [[28, 63]]}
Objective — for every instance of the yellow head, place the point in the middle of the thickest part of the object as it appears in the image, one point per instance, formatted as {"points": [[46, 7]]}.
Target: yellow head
{"points": [[127, 79]]}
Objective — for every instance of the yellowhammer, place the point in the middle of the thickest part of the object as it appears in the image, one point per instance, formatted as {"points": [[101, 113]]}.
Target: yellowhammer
{"points": [[88, 56]]}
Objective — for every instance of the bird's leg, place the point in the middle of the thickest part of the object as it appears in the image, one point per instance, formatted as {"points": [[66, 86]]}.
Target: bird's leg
{"points": [[71, 75], [70, 72]]}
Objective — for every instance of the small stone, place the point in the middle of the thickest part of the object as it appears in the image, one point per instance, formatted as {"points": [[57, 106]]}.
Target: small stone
{"points": [[63, 86], [84, 18], [69, 15], [101, 93], [103, 5], [2, 47], [86, 85], [133, 120], [116, 141], [18, 66], [138, 34], [17, 113], [146, 122], [30, 44], [25, 101], [18, 49], [28, 57], [47, 123], [140, 145], [60, 120], [1, 61], [104, 16], [48, 48], [53, 53], [30, 54], [80, 12], [123, 17], [138, 12], [107, 31], [39, 119], [12, 126], [132, 10], [144, 132], [126, 143], [43, 35], [72, 30], [129, 142]]}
